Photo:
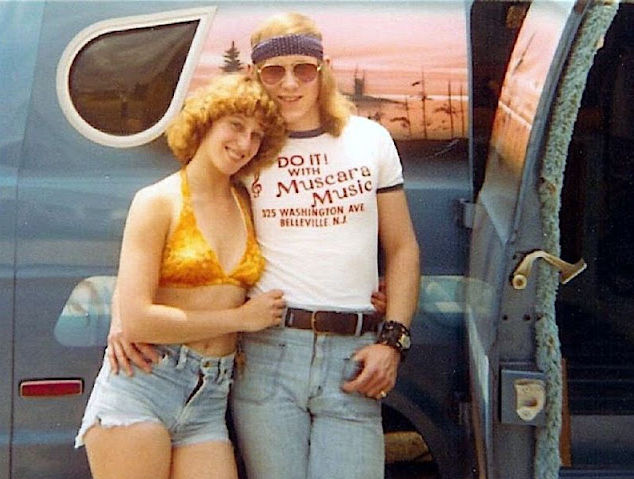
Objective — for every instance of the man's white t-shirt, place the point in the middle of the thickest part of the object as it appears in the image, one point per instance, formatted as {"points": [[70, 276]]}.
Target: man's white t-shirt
{"points": [[315, 214]]}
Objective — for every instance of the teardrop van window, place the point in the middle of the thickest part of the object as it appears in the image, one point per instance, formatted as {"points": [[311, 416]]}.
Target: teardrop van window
{"points": [[118, 85]]}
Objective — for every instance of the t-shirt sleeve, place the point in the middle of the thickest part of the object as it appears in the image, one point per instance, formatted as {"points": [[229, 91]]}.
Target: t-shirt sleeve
{"points": [[390, 168]]}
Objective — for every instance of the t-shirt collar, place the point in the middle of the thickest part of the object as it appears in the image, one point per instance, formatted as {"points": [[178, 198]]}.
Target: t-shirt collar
{"points": [[307, 133]]}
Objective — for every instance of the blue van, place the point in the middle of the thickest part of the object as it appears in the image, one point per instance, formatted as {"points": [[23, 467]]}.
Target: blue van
{"points": [[515, 126]]}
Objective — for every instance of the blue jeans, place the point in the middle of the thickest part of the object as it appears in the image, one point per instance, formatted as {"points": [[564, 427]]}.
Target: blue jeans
{"points": [[186, 392], [292, 419]]}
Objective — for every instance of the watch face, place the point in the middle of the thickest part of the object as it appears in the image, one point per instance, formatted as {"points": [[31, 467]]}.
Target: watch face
{"points": [[405, 341]]}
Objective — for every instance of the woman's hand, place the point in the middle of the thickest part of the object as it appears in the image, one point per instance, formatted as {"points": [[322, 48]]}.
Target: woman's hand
{"points": [[379, 298], [263, 311]]}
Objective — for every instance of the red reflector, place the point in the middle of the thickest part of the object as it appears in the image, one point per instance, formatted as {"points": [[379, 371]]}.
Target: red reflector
{"points": [[51, 387]]}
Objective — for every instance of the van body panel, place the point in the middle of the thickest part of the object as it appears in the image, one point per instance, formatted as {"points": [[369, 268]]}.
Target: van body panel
{"points": [[18, 58]]}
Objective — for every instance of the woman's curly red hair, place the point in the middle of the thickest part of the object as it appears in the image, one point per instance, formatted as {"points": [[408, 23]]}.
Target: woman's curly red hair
{"points": [[227, 94]]}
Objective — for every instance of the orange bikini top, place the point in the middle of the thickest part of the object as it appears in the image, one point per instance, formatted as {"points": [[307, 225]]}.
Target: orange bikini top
{"points": [[188, 261]]}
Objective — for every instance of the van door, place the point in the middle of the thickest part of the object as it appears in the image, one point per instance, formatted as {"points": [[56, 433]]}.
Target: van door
{"points": [[513, 344]]}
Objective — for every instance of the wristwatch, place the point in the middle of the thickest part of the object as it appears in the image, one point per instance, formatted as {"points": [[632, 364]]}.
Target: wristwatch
{"points": [[395, 335]]}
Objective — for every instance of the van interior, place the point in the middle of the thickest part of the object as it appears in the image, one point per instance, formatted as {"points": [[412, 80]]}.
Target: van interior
{"points": [[595, 312]]}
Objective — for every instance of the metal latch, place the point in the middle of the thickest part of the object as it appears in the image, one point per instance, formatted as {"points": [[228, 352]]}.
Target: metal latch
{"points": [[567, 271]]}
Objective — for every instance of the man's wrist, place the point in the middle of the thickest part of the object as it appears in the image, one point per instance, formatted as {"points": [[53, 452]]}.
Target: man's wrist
{"points": [[396, 335]]}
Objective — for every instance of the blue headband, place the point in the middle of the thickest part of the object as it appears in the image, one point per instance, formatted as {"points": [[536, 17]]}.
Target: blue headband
{"points": [[308, 45]]}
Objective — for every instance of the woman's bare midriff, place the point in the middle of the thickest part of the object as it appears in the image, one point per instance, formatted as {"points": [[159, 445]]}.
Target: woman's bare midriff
{"points": [[206, 298]]}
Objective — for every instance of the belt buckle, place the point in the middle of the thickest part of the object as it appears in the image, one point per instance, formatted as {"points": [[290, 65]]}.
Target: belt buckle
{"points": [[313, 323]]}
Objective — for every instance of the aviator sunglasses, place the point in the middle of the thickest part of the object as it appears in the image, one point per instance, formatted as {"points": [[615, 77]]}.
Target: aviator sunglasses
{"points": [[303, 72]]}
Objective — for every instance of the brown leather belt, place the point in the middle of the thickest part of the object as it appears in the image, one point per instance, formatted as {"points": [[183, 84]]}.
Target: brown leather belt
{"points": [[332, 322]]}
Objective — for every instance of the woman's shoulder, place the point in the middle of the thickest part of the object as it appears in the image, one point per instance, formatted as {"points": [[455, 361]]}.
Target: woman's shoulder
{"points": [[162, 193], [154, 206]]}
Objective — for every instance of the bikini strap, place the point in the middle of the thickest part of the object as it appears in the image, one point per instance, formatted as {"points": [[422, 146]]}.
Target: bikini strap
{"points": [[244, 210], [186, 207]]}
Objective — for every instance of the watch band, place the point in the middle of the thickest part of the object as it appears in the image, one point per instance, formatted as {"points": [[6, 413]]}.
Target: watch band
{"points": [[395, 335]]}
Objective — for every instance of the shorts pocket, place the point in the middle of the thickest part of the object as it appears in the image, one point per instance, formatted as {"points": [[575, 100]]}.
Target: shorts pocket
{"points": [[257, 381]]}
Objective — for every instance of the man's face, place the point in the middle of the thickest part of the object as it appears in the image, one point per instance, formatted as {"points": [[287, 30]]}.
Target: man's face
{"points": [[293, 82]]}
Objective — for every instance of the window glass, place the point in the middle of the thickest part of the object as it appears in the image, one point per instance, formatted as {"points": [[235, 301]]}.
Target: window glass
{"points": [[122, 83], [522, 90], [121, 80], [523, 107]]}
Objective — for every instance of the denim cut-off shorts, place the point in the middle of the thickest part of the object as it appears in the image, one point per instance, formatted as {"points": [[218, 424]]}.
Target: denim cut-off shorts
{"points": [[186, 392]]}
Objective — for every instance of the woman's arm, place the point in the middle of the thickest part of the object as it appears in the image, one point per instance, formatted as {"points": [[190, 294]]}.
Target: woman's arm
{"points": [[142, 320]]}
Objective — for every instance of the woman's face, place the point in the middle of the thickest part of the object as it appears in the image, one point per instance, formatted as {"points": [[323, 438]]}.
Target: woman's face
{"points": [[232, 141], [296, 90]]}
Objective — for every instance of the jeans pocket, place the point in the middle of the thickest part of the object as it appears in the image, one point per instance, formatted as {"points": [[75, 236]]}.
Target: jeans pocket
{"points": [[351, 369], [258, 379]]}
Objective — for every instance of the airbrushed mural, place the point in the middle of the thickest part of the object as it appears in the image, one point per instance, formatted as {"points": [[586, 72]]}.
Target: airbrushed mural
{"points": [[403, 65]]}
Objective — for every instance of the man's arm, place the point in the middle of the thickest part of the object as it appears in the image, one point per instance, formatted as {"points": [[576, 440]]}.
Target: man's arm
{"points": [[402, 283], [402, 268]]}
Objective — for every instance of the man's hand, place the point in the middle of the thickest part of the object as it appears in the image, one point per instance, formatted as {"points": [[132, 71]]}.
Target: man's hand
{"points": [[378, 376]]}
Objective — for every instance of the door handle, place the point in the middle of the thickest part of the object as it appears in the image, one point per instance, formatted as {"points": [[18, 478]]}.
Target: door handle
{"points": [[567, 271]]}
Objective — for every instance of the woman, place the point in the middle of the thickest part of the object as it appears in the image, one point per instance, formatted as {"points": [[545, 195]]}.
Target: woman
{"points": [[307, 405], [188, 256]]}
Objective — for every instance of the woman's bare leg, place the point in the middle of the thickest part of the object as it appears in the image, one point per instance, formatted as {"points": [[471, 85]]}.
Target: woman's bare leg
{"points": [[206, 460], [139, 451]]}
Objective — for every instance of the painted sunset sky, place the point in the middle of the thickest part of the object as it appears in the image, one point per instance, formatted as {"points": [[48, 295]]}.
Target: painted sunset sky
{"points": [[390, 45]]}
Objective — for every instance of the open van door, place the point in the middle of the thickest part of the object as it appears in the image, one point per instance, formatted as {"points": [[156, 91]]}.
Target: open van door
{"points": [[514, 269]]}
